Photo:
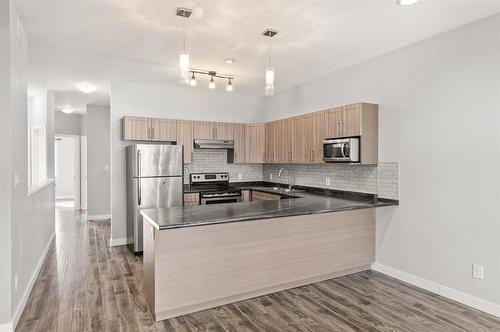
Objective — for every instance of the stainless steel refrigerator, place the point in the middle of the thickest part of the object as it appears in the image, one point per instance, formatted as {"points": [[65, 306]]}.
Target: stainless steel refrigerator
{"points": [[154, 180]]}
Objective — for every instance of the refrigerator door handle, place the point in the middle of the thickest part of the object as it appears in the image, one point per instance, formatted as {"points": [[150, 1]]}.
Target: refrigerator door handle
{"points": [[139, 177]]}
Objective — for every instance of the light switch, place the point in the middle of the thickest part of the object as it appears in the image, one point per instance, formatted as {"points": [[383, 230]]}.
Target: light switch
{"points": [[17, 179]]}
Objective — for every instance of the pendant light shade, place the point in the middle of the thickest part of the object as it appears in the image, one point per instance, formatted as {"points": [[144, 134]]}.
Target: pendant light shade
{"points": [[269, 87], [184, 67], [211, 84], [229, 86], [193, 82]]}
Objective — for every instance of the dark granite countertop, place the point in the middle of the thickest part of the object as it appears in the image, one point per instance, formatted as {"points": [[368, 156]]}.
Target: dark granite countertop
{"points": [[302, 201]]}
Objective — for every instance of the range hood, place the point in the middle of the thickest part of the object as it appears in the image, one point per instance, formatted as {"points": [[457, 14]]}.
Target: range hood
{"points": [[213, 144]]}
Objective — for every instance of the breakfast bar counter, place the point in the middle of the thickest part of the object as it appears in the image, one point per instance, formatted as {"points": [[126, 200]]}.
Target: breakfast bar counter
{"points": [[200, 257]]}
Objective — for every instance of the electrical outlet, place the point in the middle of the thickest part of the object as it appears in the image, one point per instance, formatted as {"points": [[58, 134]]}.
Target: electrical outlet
{"points": [[328, 181], [240, 176], [15, 281], [477, 271], [270, 176]]}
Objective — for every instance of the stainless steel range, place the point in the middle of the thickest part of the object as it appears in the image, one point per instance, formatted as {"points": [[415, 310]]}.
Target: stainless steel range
{"points": [[214, 188]]}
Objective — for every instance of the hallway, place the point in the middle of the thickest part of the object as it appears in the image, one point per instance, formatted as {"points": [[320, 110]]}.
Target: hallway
{"points": [[85, 285]]}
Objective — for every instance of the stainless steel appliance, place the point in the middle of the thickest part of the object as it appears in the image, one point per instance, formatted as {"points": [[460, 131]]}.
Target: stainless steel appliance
{"points": [[214, 188], [213, 144], [343, 150], [154, 180]]}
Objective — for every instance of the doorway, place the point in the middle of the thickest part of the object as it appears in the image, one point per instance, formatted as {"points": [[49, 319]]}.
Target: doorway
{"points": [[70, 155]]}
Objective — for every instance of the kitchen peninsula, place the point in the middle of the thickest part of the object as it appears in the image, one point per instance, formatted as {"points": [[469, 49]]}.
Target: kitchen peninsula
{"points": [[199, 257]]}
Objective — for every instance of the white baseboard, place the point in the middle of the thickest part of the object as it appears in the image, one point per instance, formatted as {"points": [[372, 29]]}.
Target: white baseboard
{"points": [[7, 327], [99, 217], [118, 242], [31, 283], [451, 293]]}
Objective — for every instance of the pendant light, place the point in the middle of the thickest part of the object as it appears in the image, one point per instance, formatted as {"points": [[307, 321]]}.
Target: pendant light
{"points": [[229, 87], [211, 84], [184, 55], [192, 82], [269, 86]]}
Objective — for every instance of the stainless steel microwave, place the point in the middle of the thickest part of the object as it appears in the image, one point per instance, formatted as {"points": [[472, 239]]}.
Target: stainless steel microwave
{"points": [[342, 150]]}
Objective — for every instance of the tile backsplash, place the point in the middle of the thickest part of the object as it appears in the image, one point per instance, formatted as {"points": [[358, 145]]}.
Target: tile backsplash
{"points": [[216, 161], [381, 179]]}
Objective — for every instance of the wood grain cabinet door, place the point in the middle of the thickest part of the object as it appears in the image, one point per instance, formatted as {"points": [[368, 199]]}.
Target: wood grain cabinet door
{"points": [[203, 130], [351, 123], [136, 128], [255, 143], [269, 142], [223, 131], [163, 130], [185, 138], [316, 131], [300, 151], [334, 118], [239, 143]]}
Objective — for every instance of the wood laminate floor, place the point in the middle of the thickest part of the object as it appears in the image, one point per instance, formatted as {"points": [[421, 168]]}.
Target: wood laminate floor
{"points": [[85, 285]]}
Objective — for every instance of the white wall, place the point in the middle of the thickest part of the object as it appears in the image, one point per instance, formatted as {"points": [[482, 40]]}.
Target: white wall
{"points": [[70, 124], [5, 168], [176, 102], [440, 118], [65, 176], [32, 217], [98, 161]]}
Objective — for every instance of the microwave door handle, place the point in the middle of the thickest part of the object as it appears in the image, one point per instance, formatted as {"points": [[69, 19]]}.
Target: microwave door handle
{"points": [[342, 150]]}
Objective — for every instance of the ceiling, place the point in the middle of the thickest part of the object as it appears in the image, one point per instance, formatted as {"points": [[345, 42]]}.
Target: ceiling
{"points": [[137, 40]]}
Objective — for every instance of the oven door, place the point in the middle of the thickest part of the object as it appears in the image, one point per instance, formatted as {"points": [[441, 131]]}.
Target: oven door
{"points": [[220, 200]]}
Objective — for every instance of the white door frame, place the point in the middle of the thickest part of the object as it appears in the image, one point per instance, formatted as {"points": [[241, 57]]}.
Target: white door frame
{"points": [[77, 177], [83, 175]]}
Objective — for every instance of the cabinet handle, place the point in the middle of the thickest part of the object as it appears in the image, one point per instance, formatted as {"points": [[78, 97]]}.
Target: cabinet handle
{"points": [[313, 156], [338, 128], [152, 133], [341, 127]]}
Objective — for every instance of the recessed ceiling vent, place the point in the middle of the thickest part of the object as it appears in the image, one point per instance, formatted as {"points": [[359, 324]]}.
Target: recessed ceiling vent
{"points": [[183, 12], [270, 32]]}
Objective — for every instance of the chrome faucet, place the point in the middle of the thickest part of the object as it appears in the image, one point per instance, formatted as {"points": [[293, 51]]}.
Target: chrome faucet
{"points": [[282, 169]]}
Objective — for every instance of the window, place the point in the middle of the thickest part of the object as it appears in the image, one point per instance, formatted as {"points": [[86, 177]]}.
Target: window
{"points": [[38, 154], [37, 141]]}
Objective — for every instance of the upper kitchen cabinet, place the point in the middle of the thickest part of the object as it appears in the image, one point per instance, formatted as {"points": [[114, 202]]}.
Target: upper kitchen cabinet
{"points": [[255, 143], [355, 120], [136, 128], [270, 132], [213, 130], [163, 130], [184, 129], [316, 134], [223, 131], [300, 134], [203, 130], [239, 143]]}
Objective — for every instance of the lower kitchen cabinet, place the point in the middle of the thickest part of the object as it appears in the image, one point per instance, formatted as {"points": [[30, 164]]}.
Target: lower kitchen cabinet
{"points": [[246, 195], [191, 199], [262, 196]]}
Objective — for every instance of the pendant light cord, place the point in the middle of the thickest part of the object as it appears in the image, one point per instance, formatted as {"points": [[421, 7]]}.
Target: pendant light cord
{"points": [[184, 34]]}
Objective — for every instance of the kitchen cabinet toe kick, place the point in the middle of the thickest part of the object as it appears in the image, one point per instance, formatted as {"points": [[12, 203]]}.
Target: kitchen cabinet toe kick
{"points": [[197, 268]]}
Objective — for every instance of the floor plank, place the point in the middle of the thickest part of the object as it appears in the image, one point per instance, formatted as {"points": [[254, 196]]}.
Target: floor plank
{"points": [[85, 285]]}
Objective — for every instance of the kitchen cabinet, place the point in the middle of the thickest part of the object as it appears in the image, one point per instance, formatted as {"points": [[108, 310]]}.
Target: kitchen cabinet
{"points": [[316, 135], [344, 121], [163, 130], [255, 143], [262, 196], [300, 148], [184, 132], [239, 143], [223, 130], [136, 128], [246, 195], [203, 130], [213, 130], [356, 120], [191, 199], [269, 130]]}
